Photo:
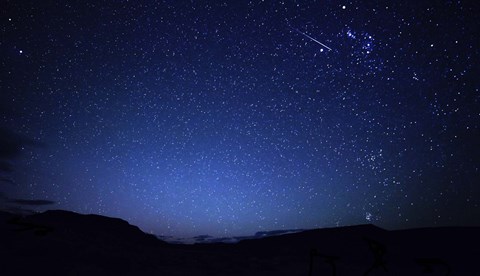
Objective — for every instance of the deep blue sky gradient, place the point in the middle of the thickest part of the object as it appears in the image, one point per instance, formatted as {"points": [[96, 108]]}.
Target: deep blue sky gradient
{"points": [[222, 118]]}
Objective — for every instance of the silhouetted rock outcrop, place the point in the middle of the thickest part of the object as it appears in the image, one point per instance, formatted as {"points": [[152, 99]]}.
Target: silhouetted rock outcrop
{"points": [[62, 242], [90, 228]]}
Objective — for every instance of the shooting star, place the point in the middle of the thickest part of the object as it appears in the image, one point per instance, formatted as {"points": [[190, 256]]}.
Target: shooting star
{"points": [[311, 38]]}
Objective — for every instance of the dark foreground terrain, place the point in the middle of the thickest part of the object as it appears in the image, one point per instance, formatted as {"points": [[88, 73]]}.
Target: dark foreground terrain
{"points": [[66, 243]]}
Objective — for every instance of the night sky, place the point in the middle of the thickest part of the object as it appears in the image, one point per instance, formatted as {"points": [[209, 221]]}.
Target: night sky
{"points": [[227, 118]]}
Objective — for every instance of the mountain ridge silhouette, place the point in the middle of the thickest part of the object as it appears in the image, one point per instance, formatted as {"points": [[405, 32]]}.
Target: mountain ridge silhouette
{"points": [[59, 242]]}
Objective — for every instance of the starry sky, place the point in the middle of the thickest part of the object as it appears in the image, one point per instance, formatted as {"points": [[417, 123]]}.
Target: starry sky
{"points": [[231, 117]]}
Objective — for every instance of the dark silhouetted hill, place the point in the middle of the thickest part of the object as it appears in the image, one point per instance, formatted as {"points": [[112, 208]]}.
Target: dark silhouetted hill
{"points": [[67, 243], [62, 242]]}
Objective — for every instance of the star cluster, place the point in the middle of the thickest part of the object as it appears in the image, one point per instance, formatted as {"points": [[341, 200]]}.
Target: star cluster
{"points": [[211, 117]]}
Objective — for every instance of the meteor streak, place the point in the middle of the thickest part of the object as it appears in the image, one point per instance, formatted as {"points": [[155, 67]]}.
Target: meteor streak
{"points": [[311, 38]]}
